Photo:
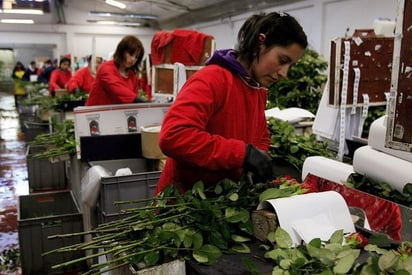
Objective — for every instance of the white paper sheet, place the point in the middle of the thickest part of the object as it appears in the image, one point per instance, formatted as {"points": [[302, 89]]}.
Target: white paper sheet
{"points": [[382, 167], [326, 168], [313, 215]]}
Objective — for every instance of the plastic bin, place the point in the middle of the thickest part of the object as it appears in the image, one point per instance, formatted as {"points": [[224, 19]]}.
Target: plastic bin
{"points": [[42, 215], [44, 175], [33, 128], [138, 185]]}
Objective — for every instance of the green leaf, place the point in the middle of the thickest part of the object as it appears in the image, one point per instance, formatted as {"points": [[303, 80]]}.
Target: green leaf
{"points": [[151, 258], [216, 238], [234, 215], [274, 193], [187, 241], [294, 149], [324, 255], [218, 189], [241, 248], [316, 242], [387, 261], [199, 188], [234, 197], [271, 237], [240, 239], [285, 264], [197, 240], [277, 254], [207, 254], [283, 240], [337, 237], [345, 263]]}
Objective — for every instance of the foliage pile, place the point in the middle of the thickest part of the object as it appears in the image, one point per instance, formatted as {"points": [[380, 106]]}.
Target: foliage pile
{"points": [[336, 256], [200, 224], [303, 86], [288, 147]]}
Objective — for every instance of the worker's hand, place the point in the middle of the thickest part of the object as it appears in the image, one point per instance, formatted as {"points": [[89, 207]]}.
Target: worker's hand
{"points": [[259, 163], [139, 100]]}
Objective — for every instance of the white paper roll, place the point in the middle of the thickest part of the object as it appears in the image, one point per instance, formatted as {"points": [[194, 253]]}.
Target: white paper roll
{"points": [[310, 216], [377, 137], [382, 167], [325, 168]]}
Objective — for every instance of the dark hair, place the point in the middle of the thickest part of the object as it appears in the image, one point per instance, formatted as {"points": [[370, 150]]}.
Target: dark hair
{"points": [[64, 59], [132, 45], [280, 29]]}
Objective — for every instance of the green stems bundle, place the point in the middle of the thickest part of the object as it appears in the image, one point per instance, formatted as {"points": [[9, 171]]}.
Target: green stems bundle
{"points": [[199, 224]]}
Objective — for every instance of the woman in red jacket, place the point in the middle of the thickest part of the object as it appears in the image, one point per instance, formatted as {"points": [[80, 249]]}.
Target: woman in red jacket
{"points": [[60, 76], [117, 80], [83, 78], [216, 128]]}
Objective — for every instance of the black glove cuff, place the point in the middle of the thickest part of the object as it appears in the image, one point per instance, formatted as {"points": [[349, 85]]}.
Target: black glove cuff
{"points": [[139, 100]]}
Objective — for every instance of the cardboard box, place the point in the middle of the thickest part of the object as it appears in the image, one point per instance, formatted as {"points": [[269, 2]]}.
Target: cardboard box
{"points": [[167, 81]]}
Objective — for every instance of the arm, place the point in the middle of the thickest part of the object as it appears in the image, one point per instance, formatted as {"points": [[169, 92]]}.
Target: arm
{"points": [[76, 81], [53, 83]]}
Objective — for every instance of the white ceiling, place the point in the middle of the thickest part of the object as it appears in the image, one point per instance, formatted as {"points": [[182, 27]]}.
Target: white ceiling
{"points": [[170, 13]]}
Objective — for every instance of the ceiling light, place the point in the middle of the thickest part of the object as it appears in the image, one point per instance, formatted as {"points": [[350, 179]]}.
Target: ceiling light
{"points": [[116, 4], [23, 11], [104, 22], [128, 15], [17, 21]]}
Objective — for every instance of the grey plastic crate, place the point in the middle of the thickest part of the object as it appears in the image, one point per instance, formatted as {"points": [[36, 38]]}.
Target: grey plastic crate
{"points": [[141, 184], [42, 215], [44, 175]]}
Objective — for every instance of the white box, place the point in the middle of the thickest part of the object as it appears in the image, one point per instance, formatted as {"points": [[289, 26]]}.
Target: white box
{"points": [[115, 119]]}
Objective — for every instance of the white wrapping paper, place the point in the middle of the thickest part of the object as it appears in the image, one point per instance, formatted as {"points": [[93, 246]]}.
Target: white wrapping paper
{"points": [[382, 167], [326, 168], [377, 137], [310, 216]]}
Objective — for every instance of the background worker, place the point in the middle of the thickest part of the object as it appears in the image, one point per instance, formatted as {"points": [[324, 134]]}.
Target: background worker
{"points": [[60, 76], [117, 80], [83, 79]]}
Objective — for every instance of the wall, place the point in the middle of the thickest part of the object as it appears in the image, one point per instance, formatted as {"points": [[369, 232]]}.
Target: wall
{"points": [[77, 40], [322, 20]]}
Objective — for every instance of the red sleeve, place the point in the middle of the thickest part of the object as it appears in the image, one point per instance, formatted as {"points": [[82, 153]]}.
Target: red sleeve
{"points": [[77, 80], [53, 81]]}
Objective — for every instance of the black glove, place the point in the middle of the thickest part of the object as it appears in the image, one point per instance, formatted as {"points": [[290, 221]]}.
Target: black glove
{"points": [[139, 100], [259, 163]]}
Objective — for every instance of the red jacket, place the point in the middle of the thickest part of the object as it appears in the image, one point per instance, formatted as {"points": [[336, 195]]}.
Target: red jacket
{"points": [[110, 87], [82, 79], [58, 79], [205, 130]]}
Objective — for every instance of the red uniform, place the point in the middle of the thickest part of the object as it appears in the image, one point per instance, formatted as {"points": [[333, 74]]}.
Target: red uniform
{"points": [[110, 87], [205, 130], [58, 80], [82, 79]]}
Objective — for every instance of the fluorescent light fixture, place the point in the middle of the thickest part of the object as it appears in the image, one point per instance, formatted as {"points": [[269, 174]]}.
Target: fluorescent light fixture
{"points": [[116, 4], [17, 21], [118, 23], [23, 11], [127, 15]]}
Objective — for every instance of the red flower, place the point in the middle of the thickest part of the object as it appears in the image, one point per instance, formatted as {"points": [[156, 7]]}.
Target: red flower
{"points": [[356, 240]]}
